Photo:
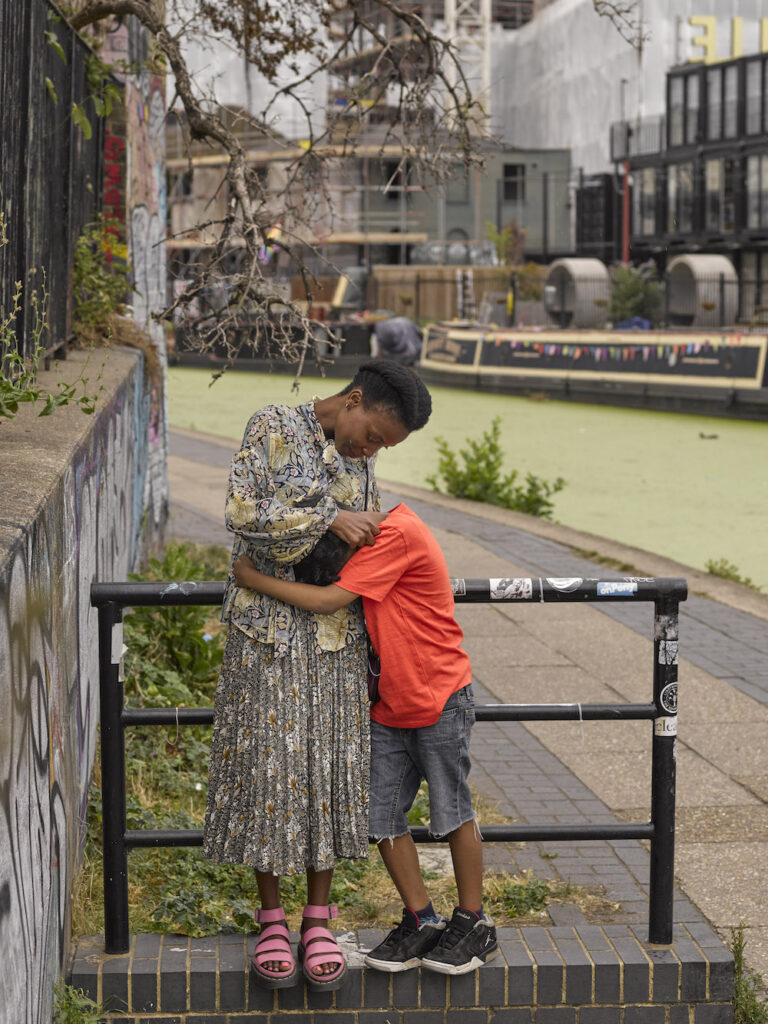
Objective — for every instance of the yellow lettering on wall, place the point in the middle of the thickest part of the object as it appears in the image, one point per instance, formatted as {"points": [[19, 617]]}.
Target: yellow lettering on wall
{"points": [[707, 40], [736, 36]]}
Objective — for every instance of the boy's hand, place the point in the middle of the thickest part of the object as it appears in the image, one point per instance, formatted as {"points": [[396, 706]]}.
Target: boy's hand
{"points": [[243, 565]]}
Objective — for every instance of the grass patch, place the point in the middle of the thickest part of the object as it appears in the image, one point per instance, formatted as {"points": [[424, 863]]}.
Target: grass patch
{"points": [[173, 660], [608, 562], [728, 571]]}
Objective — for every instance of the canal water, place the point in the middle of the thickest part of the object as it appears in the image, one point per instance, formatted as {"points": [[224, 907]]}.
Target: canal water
{"points": [[692, 488]]}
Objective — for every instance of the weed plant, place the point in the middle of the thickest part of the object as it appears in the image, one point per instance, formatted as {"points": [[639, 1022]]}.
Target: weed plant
{"points": [[70, 1006], [480, 478], [748, 1006], [173, 659]]}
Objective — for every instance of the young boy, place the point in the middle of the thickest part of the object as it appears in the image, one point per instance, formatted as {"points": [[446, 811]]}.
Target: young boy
{"points": [[420, 726]]}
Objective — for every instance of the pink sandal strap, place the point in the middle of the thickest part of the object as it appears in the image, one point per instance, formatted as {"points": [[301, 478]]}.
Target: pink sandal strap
{"points": [[320, 947], [262, 916], [330, 911], [273, 943]]}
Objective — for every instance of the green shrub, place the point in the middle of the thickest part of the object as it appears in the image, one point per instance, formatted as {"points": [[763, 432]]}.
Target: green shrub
{"points": [[100, 278], [635, 291], [480, 477], [529, 281]]}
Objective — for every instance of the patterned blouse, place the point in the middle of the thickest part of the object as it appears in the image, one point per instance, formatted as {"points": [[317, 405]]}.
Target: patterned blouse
{"points": [[284, 487]]}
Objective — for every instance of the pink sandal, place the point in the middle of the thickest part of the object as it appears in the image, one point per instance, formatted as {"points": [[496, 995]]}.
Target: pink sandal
{"points": [[273, 945], [318, 946]]}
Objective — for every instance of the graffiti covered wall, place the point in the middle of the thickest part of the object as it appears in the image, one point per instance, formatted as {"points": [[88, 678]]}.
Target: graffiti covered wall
{"points": [[82, 526], [135, 196]]}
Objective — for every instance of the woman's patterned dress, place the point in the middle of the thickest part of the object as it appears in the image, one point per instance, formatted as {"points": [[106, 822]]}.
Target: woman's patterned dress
{"points": [[289, 767]]}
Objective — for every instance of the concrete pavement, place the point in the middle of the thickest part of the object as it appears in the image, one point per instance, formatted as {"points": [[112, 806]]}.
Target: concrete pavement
{"points": [[593, 771]]}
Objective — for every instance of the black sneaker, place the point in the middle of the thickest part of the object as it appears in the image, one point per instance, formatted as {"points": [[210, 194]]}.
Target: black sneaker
{"points": [[405, 945], [466, 944]]}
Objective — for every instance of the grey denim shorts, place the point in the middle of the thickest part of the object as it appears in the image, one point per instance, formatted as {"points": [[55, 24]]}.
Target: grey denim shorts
{"points": [[439, 753]]}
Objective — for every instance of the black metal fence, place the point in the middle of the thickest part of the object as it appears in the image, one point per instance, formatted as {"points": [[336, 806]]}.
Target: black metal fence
{"points": [[665, 594], [50, 173]]}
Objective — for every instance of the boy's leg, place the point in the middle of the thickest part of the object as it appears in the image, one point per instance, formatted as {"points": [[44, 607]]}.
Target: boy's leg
{"points": [[395, 781], [467, 856], [443, 754], [401, 860]]}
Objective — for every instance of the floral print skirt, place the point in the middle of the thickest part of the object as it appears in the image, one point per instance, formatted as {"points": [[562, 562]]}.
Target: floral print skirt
{"points": [[289, 768]]}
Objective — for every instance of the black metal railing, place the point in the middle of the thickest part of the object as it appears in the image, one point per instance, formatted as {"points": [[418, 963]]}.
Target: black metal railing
{"points": [[50, 172], [665, 594]]}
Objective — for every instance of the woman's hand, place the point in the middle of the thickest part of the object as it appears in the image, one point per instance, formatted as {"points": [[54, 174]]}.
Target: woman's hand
{"points": [[243, 565], [357, 528]]}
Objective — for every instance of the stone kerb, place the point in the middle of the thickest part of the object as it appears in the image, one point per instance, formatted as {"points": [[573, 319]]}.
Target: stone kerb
{"points": [[543, 975]]}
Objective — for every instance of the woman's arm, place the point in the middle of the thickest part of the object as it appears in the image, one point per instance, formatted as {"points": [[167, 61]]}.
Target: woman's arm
{"points": [[322, 600], [282, 533]]}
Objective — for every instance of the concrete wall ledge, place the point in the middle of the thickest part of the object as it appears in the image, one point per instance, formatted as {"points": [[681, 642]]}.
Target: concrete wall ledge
{"points": [[586, 974]]}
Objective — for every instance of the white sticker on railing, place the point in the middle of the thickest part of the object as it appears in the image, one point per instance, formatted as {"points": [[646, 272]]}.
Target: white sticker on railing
{"points": [[667, 652], [668, 698], [566, 584], [665, 726], [117, 643], [511, 589], [621, 588]]}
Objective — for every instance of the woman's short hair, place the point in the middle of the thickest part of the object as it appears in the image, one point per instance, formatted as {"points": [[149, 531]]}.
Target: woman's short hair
{"points": [[324, 562], [396, 388]]}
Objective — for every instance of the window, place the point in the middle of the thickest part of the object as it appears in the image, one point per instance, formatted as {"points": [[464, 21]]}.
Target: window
{"points": [[644, 196], [514, 183], [712, 186], [753, 191], [714, 103], [685, 198], [728, 202], [753, 94], [757, 191], [180, 186], [676, 110], [692, 108], [680, 198], [731, 105]]}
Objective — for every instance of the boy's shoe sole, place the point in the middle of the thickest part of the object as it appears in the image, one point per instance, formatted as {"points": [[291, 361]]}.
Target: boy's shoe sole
{"points": [[454, 969], [391, 966]]}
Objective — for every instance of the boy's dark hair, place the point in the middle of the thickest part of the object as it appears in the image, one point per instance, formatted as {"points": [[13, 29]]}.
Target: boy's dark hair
{"points": [[324, 562], [395, 387]]}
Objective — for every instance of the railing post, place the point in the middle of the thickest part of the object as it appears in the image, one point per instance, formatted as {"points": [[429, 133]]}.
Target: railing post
{"points": [[663, 769], [113, 780]]}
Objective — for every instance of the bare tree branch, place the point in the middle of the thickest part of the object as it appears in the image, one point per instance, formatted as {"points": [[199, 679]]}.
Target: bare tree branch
{"points": [[404, 68]]}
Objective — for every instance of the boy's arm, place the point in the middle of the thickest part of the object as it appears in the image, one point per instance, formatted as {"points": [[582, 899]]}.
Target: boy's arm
{"points": [[322, 600]]}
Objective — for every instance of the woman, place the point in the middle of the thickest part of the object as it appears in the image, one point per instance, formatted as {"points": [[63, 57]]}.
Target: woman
{"points": [[289, 766]]}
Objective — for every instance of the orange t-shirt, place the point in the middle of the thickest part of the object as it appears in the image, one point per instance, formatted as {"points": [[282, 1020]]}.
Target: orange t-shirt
{"points": [[408, 604]]}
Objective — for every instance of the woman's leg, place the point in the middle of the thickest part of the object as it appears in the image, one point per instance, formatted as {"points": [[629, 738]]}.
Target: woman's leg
{"points": [[318, 894], [269, 894]]}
